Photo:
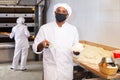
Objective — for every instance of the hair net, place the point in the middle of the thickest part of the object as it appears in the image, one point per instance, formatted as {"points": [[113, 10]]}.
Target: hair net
{"points": [[65, 5], [20, 20]]}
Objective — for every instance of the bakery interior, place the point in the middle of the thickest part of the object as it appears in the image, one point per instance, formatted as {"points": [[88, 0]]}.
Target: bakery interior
{"points": [[98, 24]]}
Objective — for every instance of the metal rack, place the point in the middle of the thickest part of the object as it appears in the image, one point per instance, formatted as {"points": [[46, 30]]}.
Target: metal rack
{"points": [[8, 16]]}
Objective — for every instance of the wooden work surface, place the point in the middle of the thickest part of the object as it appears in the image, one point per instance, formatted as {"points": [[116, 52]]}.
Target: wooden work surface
{"points": [[95, 69]]}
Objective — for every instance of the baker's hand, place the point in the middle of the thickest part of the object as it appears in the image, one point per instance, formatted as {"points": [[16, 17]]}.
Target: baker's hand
{"points": [[45, 43], [76, 53]]}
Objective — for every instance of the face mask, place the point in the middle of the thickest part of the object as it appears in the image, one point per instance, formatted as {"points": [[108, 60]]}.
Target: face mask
{"points": [[60, 17]]}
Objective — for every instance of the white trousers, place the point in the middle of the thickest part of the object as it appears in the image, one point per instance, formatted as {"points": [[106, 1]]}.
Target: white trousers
{"points": [[17, 53]]}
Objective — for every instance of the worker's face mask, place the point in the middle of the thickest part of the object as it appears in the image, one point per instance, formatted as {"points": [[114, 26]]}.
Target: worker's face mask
{"points": [[60, 17]]}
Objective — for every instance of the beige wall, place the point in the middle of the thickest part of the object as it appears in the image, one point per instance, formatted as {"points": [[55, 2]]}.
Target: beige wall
{"points": [[96, 20]]}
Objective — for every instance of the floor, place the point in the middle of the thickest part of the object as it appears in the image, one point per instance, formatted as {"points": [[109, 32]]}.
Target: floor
{"points": [[33, 72]]}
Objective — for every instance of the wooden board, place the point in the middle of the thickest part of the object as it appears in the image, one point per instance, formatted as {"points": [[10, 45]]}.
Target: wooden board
{"points": [[95, 68], [99, 45]]}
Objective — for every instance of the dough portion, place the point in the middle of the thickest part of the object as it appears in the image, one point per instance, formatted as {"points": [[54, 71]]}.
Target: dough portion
{"points": [[93, 55]]}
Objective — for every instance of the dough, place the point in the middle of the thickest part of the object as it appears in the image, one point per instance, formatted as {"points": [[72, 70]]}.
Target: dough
{"points": [[93, 54]]}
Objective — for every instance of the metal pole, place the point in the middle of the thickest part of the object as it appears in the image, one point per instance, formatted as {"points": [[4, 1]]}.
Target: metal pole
{"points": [[40, 19], [36, 26]]}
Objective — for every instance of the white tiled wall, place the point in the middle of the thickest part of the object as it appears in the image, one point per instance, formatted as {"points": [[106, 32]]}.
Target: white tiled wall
{"points": [[96, 20]]}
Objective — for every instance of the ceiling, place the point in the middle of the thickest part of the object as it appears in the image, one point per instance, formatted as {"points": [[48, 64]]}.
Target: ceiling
{"points": [[20, 2]]}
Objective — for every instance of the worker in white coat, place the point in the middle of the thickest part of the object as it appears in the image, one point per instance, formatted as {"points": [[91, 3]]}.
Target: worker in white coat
{"points": [[55, 40], [20, 34]]}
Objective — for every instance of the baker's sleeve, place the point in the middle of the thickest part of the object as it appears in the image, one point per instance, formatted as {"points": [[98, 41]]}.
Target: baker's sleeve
{"points": [[76, 37], [38, 39], [12, 34]]}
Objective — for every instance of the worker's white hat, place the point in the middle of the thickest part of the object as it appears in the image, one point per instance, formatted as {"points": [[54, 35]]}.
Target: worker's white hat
{"points": [[20, 20], [65, 5]]}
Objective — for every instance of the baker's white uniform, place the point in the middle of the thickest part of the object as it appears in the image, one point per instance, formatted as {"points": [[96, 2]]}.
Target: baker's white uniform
{"points": [[57, 59], [21, 34]]}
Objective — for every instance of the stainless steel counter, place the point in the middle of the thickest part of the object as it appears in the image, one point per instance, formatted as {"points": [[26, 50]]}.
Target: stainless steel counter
{"points": [[7, 52]]}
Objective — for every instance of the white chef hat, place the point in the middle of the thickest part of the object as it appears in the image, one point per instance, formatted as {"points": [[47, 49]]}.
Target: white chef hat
{"points": [[65, 5], [20, 20]]}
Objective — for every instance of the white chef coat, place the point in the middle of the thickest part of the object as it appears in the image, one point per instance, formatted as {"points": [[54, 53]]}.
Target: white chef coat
{"points": [[21, 34], [57, 59]]}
